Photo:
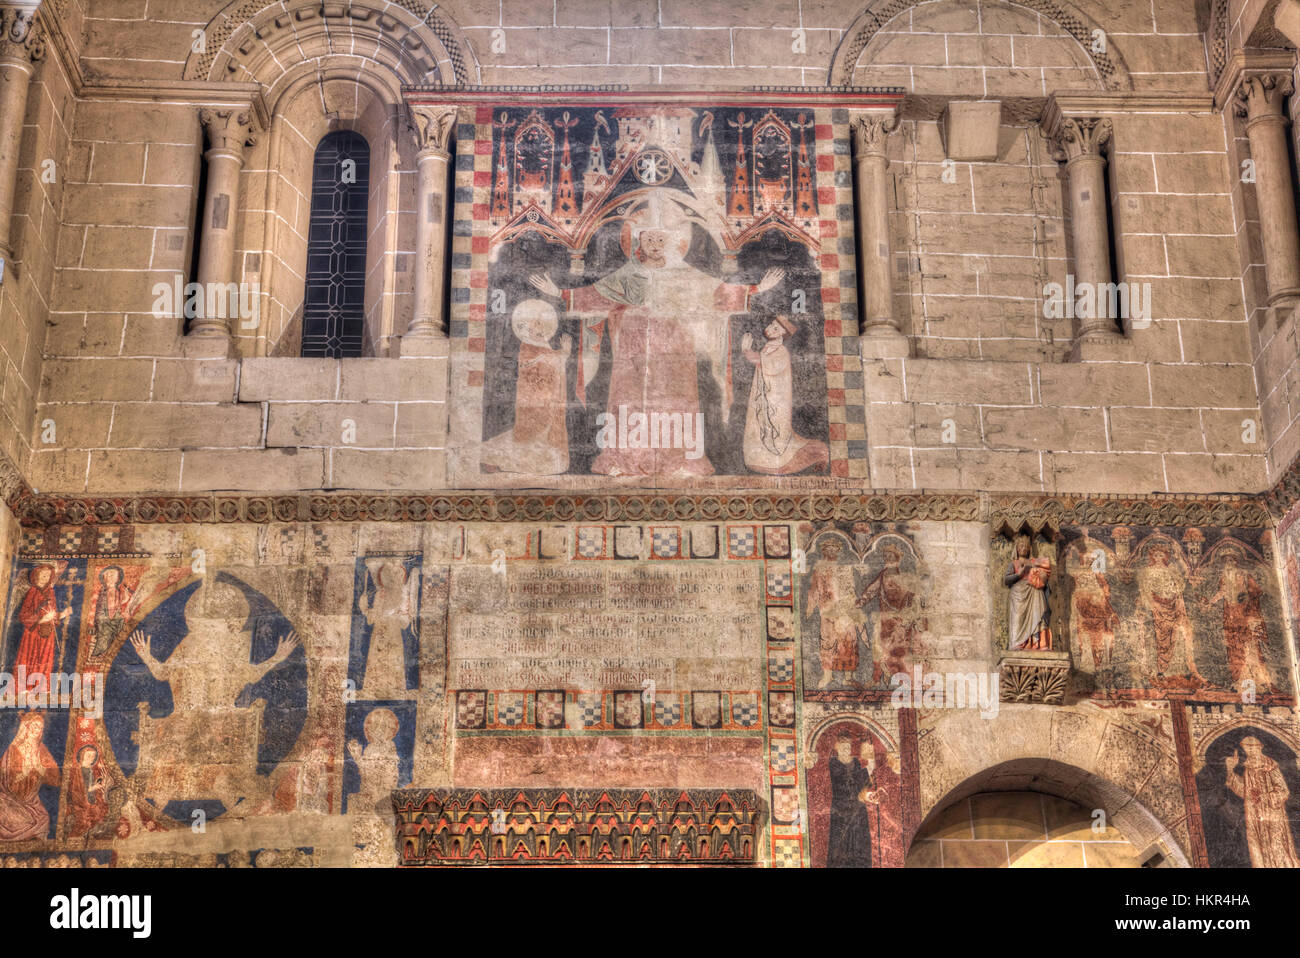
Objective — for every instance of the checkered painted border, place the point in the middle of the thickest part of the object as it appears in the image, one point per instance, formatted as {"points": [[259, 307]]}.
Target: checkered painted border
{"points": [[783, 707], [67, 541], [750, 541], [608, 710], [470, 246]]}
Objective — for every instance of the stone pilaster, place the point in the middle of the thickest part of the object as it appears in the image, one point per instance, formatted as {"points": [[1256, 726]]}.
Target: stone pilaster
{"points": [[880, 335], [1079, 143], [1260, 99], [228, 132], [22, 46], [433, 127]]}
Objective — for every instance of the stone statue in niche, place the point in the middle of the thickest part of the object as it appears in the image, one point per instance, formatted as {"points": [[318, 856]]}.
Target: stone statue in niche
{"points": [[1029, 613]]}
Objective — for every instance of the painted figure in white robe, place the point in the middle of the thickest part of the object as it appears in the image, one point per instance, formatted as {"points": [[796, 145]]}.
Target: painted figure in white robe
{"points": [[1258, 782], [390, 613], [376, 763], [538, 443], [771, 445]]}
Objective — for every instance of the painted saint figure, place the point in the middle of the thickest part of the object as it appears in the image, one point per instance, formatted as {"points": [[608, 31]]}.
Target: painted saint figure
{"points": [[389, 614], [853, 794], [1161, 585], [538, 443], [1029, 615], [43, 623], [87, 792], [832, 594], [662, 318], [207, 746], [110, 609], [1245, 634], [26, 765], [1093, 617], [376, 761], [899, 623], [1257, 781], [771, 445]]}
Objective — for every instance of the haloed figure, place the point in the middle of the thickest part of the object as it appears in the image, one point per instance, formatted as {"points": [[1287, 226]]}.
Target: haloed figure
{"points": [[26, 765], [1028, 612]]}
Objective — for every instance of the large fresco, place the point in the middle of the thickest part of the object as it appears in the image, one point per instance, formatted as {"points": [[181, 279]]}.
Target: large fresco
{"points": [[655, 290]]}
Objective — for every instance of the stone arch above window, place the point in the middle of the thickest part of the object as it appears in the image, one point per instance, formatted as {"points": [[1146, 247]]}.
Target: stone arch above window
{"points": [[251, 40], [879, 17]]}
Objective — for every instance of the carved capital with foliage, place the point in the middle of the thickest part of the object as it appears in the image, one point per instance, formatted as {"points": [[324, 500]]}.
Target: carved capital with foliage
{"points": [[22, 36], [871, 133], [228, 130], [1262, 95], [1074, 137]]}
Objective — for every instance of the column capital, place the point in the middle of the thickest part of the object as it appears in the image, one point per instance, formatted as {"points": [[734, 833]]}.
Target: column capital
{"points": [[433, 125], [871, 132], [1073, 137], [22, 35], [229, 130], [1262, 95]]}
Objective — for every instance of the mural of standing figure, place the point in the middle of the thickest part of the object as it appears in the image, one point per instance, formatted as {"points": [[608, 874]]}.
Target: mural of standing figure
{"points": [[1029, 615], [1257, 781], [43, 624], [538, 443], [1244, 633], [853, 795], [112, 606], [207, 746], [661, 317], [900, 622], [1161, 585], [389, 614], [87, 792], [26, 765], [377, 763], [1092, 615], [771, 445], [832, 595]]}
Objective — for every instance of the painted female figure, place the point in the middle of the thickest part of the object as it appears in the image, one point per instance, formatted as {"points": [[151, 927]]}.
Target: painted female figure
{"points": [[112, 606], [87, 791], [26, 766], [389, 614], [1244, 631]]}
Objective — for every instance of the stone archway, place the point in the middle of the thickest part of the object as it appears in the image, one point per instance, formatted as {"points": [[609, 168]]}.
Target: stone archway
{"points": [[1121, 760], [416, 39], [1036, 813], [1108, 63]]}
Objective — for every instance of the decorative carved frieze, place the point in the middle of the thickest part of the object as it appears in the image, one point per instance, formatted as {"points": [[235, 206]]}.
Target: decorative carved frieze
{"points": [[585, 826], [1034, 677]]}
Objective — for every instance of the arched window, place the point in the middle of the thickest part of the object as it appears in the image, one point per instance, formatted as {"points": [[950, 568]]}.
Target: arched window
{"points": [[333, 319]]}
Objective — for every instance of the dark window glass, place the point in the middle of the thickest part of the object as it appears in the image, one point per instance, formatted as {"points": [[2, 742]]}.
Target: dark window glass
{"points": [[333, 318]]}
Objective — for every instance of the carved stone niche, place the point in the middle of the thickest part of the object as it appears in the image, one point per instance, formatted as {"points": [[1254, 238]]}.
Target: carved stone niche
{"points": [[1033, 664]]}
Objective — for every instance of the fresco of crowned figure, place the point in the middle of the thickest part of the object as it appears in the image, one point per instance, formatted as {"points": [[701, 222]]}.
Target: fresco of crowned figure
{"points": [[661, 316], [208, 745]]}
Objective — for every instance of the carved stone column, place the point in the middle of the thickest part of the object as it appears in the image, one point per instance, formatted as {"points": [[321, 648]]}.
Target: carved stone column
{"points": [[22, 45], [1078, 142], [880, 336], [228, 132], [1261, 100], [433, 126]]}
